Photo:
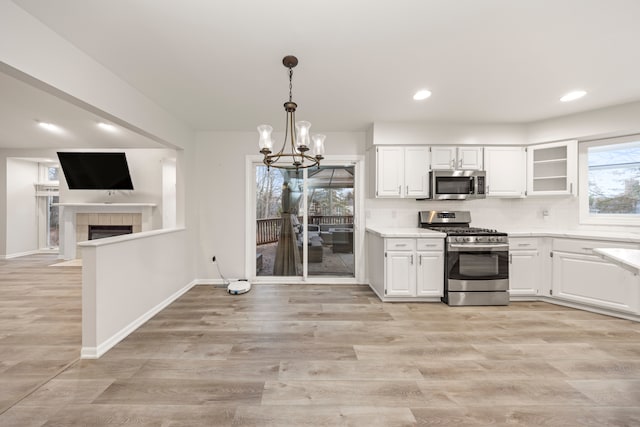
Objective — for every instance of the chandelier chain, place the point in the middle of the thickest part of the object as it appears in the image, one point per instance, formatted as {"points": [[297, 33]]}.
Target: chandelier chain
{"points": [[290, 84]]}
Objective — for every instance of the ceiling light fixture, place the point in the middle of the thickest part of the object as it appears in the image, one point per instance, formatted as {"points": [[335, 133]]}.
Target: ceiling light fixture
{"points": [[297, 137], [49, 126], [572, 96], [107, 126], [422, 94]]}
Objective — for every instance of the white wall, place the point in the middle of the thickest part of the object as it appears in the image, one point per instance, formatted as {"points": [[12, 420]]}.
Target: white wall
{"points": [[386, 133], [221, 183], [126, 280], [169, 193], [145, 166], [605, 122], [503, 214], [21, 207]]}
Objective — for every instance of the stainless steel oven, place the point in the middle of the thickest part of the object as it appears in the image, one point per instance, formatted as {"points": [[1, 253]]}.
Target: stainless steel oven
{"points": [[477, 272], [476, 259]]}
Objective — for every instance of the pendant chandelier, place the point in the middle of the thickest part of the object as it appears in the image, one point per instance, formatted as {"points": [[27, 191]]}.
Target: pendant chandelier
{"points": [[294, 153]]}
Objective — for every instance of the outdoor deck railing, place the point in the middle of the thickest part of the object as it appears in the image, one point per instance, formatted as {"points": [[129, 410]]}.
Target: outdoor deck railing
{"points": [[268, 229]]}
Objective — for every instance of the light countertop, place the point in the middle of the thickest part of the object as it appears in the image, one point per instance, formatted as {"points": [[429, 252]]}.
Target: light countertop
{"points": [[615, 236], [406, 232], [627, 258]]}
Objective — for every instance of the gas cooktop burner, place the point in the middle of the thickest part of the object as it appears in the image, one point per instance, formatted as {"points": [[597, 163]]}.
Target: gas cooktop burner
{"points": [[456, 231]]}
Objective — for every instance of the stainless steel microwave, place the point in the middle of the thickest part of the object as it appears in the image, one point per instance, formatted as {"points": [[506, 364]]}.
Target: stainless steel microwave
{"points": [[457, 184]]}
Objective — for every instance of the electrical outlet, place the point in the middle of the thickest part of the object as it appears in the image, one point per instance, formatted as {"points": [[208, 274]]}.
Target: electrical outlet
{"points": [[213, 259]]}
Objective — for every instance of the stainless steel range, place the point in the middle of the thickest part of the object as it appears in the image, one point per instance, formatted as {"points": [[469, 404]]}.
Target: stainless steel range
{"points": [[476, 259]]}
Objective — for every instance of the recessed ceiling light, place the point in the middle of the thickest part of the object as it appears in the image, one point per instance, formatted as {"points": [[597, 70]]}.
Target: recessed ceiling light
{"points": [[422, 94], [107, 126], [50, 127], [572, 96]]}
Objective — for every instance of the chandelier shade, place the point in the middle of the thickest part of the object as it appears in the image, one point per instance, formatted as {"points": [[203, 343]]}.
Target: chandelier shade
{"points": [[297, 139]]}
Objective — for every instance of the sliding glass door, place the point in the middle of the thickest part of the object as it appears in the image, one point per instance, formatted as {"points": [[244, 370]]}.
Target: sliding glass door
{"points": [[305, 222], [278, 228], [330, 207]]}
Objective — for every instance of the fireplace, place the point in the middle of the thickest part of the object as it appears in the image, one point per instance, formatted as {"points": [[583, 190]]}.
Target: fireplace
{"points": [[102, 231], [77, 217]]}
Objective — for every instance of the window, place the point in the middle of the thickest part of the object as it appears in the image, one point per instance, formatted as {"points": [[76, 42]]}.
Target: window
{"points": [[47, 192], [610, 179]]}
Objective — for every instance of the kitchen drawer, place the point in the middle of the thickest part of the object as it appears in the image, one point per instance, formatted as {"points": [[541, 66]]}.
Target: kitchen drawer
{"points": [[399, 244], [580, 246], [523, 243], [430, 244]]}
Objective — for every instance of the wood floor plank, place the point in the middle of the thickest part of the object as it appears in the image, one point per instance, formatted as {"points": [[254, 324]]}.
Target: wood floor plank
{"points": [[343, 393], [146, 391], [347, 370], [323, 416]]}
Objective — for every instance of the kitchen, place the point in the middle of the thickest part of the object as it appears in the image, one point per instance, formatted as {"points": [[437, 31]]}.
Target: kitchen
{"points": [[539, 257]]}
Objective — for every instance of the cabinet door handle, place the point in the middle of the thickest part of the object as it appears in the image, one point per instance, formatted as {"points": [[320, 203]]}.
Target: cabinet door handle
{"points": [[524, 244], [420, 259], [411, 259], [571, 188], [488, 189], [400, 245], [407, 190], [453, 163], [399, 190], [460, 163], [510, 258]]}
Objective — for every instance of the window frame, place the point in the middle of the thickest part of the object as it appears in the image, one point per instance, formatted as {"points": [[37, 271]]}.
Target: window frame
{"points": [[585, 217]]}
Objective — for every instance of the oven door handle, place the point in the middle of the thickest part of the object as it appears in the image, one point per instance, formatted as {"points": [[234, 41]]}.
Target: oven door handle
{"points": [[472, 248]]}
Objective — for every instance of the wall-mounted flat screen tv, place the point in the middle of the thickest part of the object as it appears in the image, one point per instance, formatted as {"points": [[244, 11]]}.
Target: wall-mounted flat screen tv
{"points": [[95, 171]]}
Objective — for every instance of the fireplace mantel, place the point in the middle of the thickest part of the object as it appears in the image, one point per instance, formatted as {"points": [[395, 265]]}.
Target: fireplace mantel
{"points": [[69, 211]]}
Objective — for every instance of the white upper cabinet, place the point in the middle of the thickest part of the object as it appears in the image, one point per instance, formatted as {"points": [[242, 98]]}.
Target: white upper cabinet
{"points": [[470, 158], [506, 171], [443, 157], [463, 157], [552, 169], [402, 172], [389, 171], [416, 172]]}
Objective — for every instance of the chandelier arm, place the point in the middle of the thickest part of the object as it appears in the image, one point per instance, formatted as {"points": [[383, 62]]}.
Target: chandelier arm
{"points": [[294, 136]]}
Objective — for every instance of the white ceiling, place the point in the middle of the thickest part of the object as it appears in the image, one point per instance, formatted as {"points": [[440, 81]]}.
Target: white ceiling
{"points": [[216, 64], [22, 106]]}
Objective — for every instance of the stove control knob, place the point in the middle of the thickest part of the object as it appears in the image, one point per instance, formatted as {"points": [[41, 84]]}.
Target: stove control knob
{"points": [[467, 239], [493, 239]]}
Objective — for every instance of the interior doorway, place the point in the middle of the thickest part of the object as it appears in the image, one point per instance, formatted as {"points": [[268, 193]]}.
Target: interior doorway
{"points": [[305, 222]]}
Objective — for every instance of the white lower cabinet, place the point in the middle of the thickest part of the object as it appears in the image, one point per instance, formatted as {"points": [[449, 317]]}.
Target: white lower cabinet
{"points": [[412, 268], [582, 277], [400, 274], [524, 267], [430, 274]]}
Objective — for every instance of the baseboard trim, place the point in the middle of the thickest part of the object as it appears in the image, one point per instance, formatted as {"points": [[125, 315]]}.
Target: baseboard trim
{"points": [[591, 308], [18, 255], [101, 349], [211, 282]]}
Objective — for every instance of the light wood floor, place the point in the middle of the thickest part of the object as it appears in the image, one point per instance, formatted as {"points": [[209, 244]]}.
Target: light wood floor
{"points": [[335, 355], [40, 323]]}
